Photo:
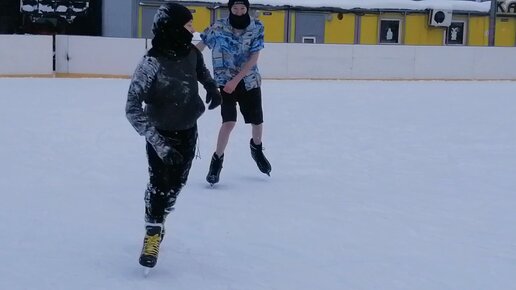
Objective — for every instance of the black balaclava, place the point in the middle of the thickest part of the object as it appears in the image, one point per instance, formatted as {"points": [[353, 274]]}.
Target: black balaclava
{"points": [[239, 22], [170, 35]]}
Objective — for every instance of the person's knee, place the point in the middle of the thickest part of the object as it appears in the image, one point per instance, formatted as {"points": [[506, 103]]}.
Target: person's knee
{"points": [[228, 126]]}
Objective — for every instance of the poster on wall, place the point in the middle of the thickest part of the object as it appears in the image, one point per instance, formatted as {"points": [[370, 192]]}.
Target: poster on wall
{"points": [[389, 31], [78, 17], [455, 33]]}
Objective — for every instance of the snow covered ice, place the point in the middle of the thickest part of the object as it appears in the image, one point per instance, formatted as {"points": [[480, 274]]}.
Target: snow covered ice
{"points": [[376, 185]]}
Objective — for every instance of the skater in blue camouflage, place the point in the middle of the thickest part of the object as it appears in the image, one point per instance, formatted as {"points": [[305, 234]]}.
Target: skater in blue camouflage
{"points": [[236, 42], [163, 105]]}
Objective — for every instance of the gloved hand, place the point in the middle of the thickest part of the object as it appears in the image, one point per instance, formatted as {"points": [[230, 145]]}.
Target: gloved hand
{"points": [[213, 98], [164, 148], [169, 155]]}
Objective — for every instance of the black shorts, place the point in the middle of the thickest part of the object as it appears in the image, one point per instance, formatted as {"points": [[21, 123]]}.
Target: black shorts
{"points": [[250, 103]]}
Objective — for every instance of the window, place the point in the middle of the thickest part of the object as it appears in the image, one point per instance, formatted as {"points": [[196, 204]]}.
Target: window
{"points": [[455, 34], [309, 39], [390, 31]]}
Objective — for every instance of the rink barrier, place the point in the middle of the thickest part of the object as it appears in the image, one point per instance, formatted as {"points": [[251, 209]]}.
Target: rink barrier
{"points": [[86, 56], [29, 55], [80, 76], [27, 75]]}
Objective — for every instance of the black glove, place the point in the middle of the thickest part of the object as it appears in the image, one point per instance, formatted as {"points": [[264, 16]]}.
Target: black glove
{"points": [[170, 156], [213, 98]]}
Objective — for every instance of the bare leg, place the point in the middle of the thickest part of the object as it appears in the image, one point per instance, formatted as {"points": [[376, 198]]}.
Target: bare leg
{"points": [[222, 140], [257, 133]]}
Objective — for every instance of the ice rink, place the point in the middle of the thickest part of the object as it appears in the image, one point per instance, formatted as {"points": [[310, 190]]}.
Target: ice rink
{"points": [[375, 185]]}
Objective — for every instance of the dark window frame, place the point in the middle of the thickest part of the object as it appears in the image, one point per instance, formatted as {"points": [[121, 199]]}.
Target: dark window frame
{"points": [[447, 40], [399, 35]]}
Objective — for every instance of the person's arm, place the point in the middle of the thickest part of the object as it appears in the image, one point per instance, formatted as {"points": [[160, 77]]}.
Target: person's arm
{"points": [[213, 97], [200, 45], [207, 39], [232, 84], [253, 60], [140, 91]]}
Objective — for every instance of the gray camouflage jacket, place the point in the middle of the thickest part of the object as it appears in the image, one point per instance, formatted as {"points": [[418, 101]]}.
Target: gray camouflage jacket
{"points": [[163, 93]]}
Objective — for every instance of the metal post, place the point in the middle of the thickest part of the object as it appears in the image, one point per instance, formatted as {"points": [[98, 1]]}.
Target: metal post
{"points": [[492, 22]]}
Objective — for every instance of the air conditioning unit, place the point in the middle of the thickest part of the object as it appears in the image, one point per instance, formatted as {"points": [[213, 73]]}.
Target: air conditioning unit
{"points": [[441, 18]]}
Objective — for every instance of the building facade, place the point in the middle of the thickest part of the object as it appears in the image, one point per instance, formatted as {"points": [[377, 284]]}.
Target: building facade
{"points": [[283, 23], [290, 24]]}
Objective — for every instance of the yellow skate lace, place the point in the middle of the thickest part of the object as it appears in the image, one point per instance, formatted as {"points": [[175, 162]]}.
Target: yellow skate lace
{"points": [[151, 245]]}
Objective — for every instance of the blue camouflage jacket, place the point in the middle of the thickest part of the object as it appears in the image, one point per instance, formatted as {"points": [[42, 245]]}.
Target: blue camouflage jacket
{"points": [[230, 51]]}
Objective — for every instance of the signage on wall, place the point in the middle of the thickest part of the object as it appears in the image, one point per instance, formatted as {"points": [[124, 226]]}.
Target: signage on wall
{"points": [[506, 7], [455, 34], [390, 31], [65, 9]]}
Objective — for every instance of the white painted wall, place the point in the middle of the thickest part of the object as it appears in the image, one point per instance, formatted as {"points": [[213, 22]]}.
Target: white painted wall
{"points": [[119, 56], [495, 63], [382, 62], [98, 55], [26, 55], [322, 61]]}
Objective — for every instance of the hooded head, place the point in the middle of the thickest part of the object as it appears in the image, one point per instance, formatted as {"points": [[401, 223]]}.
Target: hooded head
{"points": [[233, 2], [168, 28], [239, 21]]}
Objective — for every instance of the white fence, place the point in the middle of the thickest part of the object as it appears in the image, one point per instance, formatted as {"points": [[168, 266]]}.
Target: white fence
{"points": [[88, 55], [26, 55], [102, 56]]}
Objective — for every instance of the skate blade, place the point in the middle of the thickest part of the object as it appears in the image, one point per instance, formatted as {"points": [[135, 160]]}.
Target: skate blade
{"points": [[146, 271], [211, 182], [268, 173]]}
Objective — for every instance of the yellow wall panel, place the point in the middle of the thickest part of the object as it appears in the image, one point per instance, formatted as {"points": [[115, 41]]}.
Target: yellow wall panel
{"points": [[418, 32], [140, 21], [478, 31], [292, 28], [340, 30], [274, 23], [505, 34], [369, 29], [201, 17]]}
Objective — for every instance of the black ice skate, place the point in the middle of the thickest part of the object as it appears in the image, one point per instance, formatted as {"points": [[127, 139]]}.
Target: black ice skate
{"points": [[262, 162], [215, 168], [151, 242]]}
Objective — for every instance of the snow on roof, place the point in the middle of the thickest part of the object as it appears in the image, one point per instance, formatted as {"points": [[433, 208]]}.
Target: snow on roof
{"points": [[458, 5]]}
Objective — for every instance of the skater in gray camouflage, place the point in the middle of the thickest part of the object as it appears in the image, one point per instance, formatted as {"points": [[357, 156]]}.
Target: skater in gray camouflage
{"points": [[163, 105]]}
